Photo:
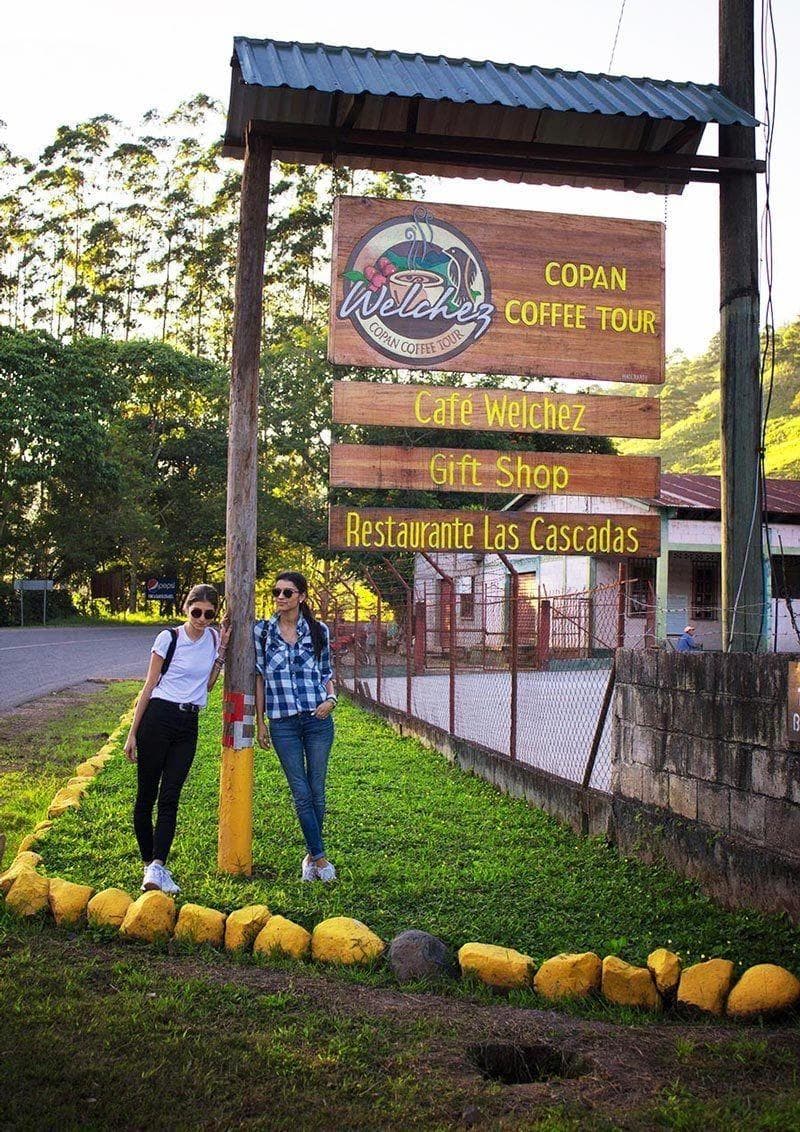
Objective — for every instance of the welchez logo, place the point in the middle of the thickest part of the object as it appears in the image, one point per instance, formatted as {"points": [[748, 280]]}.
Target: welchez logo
{"points": [[417, 289]]}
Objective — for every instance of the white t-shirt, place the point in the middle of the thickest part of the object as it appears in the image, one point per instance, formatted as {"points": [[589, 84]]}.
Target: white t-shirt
{"points": [[186, 679]]}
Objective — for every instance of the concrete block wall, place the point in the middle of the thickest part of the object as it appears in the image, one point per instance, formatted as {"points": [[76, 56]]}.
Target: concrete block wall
{"points": [[703, 776]]}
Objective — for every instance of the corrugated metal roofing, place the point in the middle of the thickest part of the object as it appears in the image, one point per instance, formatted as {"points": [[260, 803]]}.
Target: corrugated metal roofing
{"points": [[702, 493], [693, 492], [316, 66]]}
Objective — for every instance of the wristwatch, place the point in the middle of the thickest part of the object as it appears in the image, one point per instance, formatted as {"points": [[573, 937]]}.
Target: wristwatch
{"points": [[333, 699]]}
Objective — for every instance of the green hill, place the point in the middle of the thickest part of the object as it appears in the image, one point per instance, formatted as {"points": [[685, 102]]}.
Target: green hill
{"points": [[690, 407]]}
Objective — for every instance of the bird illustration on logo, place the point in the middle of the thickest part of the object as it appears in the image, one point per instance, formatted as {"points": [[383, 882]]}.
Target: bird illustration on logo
{"points": [[417, 289]]}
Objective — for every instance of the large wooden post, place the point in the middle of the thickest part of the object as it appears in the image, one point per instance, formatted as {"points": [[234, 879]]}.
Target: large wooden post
{"points": [[740, 396], [235, 845]]}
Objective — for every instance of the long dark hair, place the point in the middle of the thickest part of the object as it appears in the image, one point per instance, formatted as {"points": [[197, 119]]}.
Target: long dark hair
{"points": [[317, 631]]}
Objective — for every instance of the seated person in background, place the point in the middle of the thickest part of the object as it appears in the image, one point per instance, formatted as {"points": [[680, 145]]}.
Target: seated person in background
{"points": [[686, 641]]}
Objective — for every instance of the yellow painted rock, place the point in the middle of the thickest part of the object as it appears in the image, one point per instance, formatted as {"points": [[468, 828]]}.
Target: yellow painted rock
{"points": [[68, 901], [149, 918], [665, 967], [79, 783], [197, 924], [626, 985], [28, 842], [42, 826], [86, 770], [342, 940], [67, 798], [107, 909], [25, 860], [496, 966], [569, 976], [98, 761], [243, 925], [763, 989], [28, 894], [283, 937], [706, 985]]}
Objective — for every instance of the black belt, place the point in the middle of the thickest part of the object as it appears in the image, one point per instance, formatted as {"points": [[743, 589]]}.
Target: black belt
{"points": [[193, 708]]}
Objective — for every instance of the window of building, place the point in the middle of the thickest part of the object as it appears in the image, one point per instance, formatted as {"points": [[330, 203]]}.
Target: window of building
{"points": [[786, 576], [705, 590], [641, 585], [466, 598]]}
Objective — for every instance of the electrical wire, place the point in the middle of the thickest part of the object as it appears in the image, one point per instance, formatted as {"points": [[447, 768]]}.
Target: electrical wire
{"points": [[769, 76], [616, 37]]}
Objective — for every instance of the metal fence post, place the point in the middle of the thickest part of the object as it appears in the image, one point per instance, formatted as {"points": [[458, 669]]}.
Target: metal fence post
{"points": [[450, 582], [409, 629], [514, 659], [621, 580], [378, 633], [650, 618], [543, 635], [420, 630]]}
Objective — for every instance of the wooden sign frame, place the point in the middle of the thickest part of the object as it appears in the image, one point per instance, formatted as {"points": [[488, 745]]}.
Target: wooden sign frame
{"points": [[382, 530], [495, 410], [485, 470], [479, 290]]}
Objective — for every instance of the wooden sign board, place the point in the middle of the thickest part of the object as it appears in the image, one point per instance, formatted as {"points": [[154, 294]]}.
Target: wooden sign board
{"points": [[380, 530], [482, 470], [479, 290], [495, 410], [793, 704]]}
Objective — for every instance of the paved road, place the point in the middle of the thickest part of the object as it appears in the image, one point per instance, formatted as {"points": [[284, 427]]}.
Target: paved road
{"points": [[34, 662]]}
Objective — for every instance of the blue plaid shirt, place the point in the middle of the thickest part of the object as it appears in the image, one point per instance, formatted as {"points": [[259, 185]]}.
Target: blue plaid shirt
{"points": [[294, 680]]}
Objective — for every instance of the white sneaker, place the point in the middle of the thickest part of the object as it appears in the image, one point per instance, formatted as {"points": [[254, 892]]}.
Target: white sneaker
{"points": [[152, 880], [168, 884], [327, 873], [308, 869]]}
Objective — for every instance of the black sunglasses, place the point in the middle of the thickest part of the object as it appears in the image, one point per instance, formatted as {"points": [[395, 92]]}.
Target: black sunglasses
{"points": [[278, 592], [209, 614]]}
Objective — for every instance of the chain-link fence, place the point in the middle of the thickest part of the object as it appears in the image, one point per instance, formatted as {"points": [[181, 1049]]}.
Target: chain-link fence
{"points": [[491, 658]]}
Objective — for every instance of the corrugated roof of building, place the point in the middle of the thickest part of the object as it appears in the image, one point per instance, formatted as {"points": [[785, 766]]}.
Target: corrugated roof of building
{"points": [[362, 70], [702, 493], [693, 492], [428, 114]]}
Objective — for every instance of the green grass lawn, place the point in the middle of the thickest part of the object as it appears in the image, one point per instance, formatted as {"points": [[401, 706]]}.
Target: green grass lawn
{"points": [[101, 1034], [38, 756], [417, 844]]}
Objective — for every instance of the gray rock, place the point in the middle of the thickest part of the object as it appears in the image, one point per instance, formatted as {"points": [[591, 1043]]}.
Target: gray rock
{"points": [[417, 955]]}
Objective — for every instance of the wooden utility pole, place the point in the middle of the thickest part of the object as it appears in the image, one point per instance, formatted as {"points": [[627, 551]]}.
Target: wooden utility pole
{"points": [[740, 394], [235, 845]]}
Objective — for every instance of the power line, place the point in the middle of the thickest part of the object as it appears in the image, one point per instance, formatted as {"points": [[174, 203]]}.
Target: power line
{"points": [[616, 36], [769, 77]]}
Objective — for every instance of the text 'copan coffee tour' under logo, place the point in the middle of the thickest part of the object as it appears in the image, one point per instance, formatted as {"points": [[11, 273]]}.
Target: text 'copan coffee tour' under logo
{"points": [[417, 289]]}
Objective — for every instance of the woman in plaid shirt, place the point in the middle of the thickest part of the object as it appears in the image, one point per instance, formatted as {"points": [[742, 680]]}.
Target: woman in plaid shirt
{"points": [[294, 690]]}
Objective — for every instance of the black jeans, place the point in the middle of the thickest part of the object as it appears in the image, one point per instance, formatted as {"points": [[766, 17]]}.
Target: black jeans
{"points": [[165, 743]]}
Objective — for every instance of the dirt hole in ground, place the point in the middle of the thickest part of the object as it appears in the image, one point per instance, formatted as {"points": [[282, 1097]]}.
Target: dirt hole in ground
{"points": [[521, 1064]]}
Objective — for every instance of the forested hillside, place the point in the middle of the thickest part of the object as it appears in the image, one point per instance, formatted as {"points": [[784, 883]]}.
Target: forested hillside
{"points": [[690, 406]]}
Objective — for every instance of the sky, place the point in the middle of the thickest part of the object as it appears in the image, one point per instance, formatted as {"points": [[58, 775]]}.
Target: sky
{"points": [[62, 63]]}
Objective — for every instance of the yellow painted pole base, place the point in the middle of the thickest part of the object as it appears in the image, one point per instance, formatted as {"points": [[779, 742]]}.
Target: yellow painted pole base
{"points": [[235, 843]]}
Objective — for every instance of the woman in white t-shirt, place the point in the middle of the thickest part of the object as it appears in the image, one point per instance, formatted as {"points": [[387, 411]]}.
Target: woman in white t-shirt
{"points": [[184, 666]]}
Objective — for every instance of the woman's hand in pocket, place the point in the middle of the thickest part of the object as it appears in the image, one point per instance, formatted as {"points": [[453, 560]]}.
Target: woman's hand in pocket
{"points": [[323, 710], [263, 735]]}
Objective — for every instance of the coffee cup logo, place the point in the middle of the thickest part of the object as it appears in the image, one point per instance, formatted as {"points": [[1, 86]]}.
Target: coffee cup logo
{"points": [[417, 290]]}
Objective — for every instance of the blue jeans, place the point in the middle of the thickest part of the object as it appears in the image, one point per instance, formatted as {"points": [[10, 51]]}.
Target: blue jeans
{"points": [[303, 743]]}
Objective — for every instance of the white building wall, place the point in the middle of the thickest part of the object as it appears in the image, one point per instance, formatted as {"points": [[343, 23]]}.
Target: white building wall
{"points": [[573, 574], [784, 637]]}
